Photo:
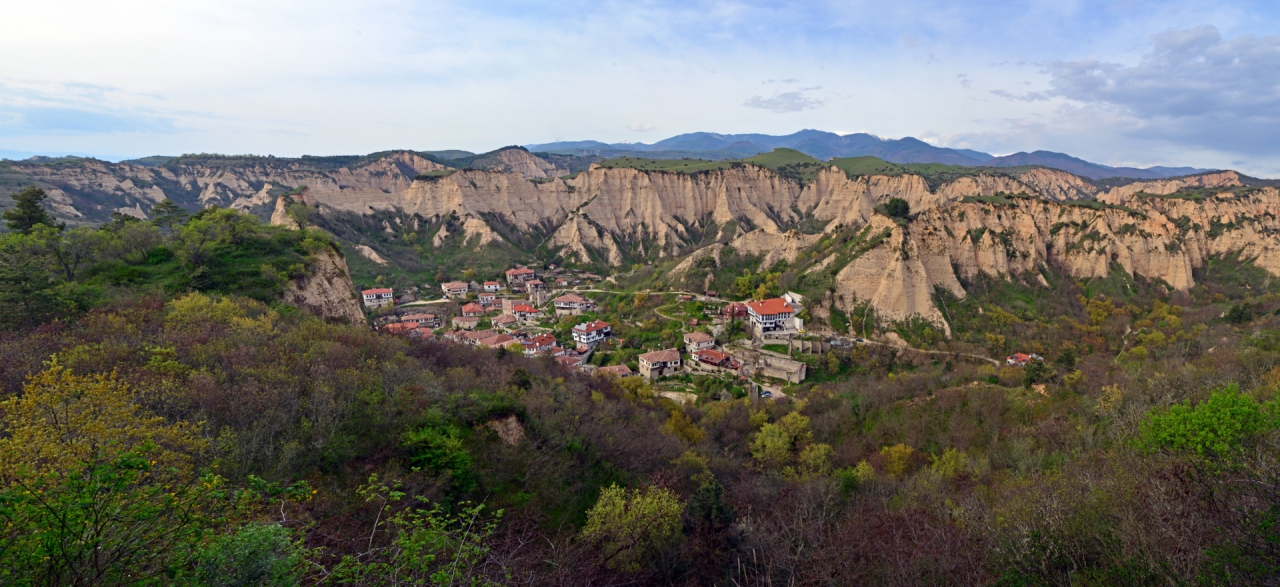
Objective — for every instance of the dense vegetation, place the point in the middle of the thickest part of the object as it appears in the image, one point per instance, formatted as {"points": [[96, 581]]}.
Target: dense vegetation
{"points": [[164, 420]]}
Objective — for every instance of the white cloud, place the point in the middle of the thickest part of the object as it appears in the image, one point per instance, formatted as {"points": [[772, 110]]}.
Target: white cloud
{"points": [[640, 127], [784, 102]]}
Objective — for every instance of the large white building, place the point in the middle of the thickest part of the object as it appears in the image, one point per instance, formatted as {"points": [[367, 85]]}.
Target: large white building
{"points": [[591, 332], [771, 315], [378, 297]]}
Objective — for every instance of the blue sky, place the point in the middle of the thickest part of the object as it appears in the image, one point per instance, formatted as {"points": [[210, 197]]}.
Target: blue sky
{"points": [[1122, 82]]}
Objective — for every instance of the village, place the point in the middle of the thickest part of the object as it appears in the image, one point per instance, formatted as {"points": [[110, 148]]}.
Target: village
{"points": [[686, 344]]}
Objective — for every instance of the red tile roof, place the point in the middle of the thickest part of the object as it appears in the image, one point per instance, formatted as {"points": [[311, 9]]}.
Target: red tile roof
{"points": [[455, 285], [770, 306], [524, 309], [380, 290], [519, 271], [591, 326], [570, 299], [698, 337], [472, 307], [711, 356], [618, 370]]}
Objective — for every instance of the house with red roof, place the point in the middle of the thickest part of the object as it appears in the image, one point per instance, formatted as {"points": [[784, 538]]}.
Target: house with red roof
{"points": [[591, 332], [472, 309], [492, 286], [717, 359], [616, 371], [572, 304], [696, 341], [770, 315], [517, 277], [454, 289], [536, 344], [734, 310], [378, 297]]}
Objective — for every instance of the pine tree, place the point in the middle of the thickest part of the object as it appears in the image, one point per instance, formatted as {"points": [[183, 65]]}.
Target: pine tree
{"points": [[27, 211], [167, 214]]}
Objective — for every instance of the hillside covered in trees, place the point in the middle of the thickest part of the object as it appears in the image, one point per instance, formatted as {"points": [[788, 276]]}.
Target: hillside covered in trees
{"points": [[166, 420]]}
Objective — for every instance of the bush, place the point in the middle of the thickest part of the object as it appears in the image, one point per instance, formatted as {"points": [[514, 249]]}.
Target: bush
{"points": [[1215, 428]]}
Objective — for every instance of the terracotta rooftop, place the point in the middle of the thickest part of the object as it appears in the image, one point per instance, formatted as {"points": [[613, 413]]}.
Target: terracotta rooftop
{"points": [[770, 306], [662, 356], [570, 299], [380, 290], [698, 337], [591, 326], [618, 370], [455, 285]]}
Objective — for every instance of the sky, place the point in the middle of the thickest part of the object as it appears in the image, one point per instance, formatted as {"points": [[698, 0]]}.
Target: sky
{"points": [[1119, 82]]}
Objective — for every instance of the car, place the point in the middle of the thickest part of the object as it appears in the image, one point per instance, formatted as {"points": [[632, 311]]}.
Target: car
{"points": [[858, 340], [766, 394]]}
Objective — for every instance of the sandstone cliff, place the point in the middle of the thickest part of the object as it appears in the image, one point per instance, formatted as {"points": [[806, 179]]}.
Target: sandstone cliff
{"points": [[326, 290], [1156, 238]]}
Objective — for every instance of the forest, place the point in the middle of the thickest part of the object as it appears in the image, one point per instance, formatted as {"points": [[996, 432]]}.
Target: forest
{"points": [[165, 420]]}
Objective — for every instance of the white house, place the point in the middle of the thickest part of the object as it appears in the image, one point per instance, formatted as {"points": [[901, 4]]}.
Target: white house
{"points": [[591, 332], [770, 315], [696, 341], [378, 297], [454, 289]]}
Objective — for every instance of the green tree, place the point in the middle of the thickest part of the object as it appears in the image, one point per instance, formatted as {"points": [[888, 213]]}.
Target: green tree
{"points": [[259, 555], [166, 214], [1239, 314], [27, 211], [1218, 427], [1034, 372], [630, 527], [897, 208]]}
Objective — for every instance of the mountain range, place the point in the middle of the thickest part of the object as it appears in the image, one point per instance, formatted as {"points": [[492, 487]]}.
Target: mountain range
{"points": [[826, 145]]}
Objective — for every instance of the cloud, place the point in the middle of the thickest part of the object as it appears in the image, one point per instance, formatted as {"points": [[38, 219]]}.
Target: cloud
{"points": [[1027, 97], [73, 109], [640, 127], [1193, 86], [784, 102]]}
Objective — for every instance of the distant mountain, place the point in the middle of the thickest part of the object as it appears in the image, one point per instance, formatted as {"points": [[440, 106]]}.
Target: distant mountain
{"points": [[826, 145], [1086, 169], [820, 144]]}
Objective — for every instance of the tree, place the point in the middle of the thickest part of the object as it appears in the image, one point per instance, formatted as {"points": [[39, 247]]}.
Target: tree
{"points": [[95, 491], [897, 208], [27, 211], [166, 214], [1239, 314], [630, 527], [1218, 427], [300, 213]]}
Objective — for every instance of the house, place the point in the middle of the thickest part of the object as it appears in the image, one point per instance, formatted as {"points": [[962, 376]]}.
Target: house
{"points": [[525, 312], [711, 293], [770, 315], [717, 359], [473, 309], [379, 297], [493, 286], [536, 344], [454, 289], [466, 322], [517, 277], [796, 300], [659, 363], [562, 282], [591, 332], [696, 341], [487, 299], [1021, 359], [422, 333], [734, 310], [495, 340], [505, 322], [572, 304], [570, 362], [535, 285], [427, 320], [616, 371]]}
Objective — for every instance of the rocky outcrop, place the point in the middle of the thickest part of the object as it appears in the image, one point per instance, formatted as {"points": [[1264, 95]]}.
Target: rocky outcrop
{"points": [[1122, 195], [525, 164], [1160, 239], [326, 290]]}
